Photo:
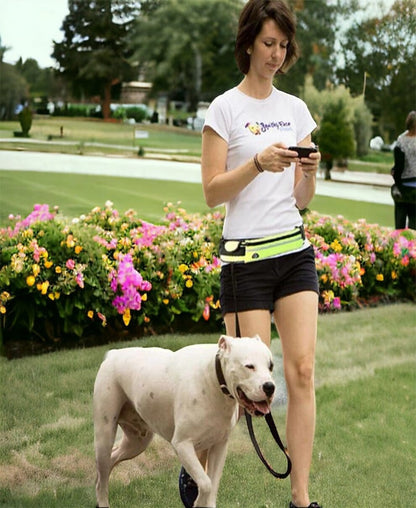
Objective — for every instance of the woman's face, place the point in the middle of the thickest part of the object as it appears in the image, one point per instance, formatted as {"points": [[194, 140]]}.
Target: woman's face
{"points": [[269, 50]]}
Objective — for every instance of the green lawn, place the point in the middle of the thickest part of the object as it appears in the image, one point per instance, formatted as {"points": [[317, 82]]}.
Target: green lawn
{"points": [[80, 135], [365, 445], [78, 194]]}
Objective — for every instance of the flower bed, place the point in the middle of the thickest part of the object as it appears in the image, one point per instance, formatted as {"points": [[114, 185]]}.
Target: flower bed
{"points": [[106, 273]]}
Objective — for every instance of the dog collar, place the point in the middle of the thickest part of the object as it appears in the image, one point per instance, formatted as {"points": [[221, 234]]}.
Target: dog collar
{"points": [[220, 376]]}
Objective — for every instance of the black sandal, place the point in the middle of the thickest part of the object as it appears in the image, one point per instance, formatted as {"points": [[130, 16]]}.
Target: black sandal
{"points": [[188, 489], [312, 505]]}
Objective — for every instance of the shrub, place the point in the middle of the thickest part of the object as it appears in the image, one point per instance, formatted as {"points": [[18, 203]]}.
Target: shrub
{"points": [[106, 273]]}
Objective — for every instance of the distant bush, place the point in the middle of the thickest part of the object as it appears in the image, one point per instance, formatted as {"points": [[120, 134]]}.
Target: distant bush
{"points": [[137, 113], [117, 274], [77, 110]]}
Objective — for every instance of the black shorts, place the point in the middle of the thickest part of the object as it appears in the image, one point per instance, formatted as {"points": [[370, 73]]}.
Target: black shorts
{"points": [[259, 284]]}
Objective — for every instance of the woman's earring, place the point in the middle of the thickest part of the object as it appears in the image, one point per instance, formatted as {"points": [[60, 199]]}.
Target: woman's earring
{"points": [[249, 51]]}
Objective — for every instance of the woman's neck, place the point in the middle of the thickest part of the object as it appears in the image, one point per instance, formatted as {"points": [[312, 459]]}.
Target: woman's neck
{"points": [[255, 88]]}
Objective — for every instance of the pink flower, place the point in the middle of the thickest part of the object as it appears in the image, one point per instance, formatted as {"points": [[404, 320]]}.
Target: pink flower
{"points": [[80, 279], [70, 264], [127, 282]]}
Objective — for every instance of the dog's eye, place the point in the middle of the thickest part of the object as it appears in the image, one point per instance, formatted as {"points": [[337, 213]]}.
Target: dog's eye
{"points": [[250, 366], [271, 366]]}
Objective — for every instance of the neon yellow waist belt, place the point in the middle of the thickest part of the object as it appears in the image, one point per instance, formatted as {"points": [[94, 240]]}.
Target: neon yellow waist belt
{"points": [[247, 251]]}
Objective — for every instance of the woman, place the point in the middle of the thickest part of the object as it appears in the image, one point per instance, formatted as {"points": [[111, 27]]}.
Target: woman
{"points": [[404, 174], [247, 165]]}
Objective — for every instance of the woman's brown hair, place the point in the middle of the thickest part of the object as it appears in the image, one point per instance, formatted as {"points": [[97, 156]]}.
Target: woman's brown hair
{"points": [[252, 17]]}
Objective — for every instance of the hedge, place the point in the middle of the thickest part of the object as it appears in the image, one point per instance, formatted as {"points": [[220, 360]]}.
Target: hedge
{"points": [[112, 274]]}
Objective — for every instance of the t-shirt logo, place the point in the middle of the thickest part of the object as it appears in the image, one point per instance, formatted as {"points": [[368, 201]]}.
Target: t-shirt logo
{"points": [[254, 128], [258, 128]]}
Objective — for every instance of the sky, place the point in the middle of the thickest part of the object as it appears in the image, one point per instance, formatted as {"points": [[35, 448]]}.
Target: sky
{"points": [[28, 27]]}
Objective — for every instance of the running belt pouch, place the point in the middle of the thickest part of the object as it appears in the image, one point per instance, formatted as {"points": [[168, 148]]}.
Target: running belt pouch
{"points": [[231, 247]]}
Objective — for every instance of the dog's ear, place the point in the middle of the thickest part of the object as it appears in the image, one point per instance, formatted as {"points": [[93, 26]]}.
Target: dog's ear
{"points": [[225, 342]]}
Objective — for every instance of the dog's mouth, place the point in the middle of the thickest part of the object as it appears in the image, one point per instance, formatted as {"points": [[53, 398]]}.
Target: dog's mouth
{"points": [[256, 408]]}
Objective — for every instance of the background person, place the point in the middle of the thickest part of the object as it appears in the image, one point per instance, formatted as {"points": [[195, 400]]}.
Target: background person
{"points": [[404, 174], [246, 164]]}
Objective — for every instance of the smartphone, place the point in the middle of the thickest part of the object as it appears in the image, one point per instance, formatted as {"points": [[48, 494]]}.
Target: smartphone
{"points": [[303, 151]]}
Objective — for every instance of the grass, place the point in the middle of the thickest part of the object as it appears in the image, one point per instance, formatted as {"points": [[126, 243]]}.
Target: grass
{"points": [[81, 135], [365, 444], [78, 194], [88, 136]]}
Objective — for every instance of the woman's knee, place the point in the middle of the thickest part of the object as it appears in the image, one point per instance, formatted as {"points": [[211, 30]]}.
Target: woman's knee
{"points": [[300, 375]]}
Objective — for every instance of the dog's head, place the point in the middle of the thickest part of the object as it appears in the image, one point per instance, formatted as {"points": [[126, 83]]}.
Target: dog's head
{"points": [[247, 365]]}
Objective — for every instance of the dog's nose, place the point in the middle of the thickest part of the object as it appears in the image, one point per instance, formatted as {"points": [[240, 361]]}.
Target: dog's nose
{"points": [[268, 388]]}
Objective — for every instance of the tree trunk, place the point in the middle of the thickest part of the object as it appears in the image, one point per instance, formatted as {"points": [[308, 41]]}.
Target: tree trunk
{"points": [[328, 167], [106, 101]]}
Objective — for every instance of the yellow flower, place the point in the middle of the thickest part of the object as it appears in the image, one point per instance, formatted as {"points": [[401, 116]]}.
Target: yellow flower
{"points": [[324, 277], [57, 295], [394, 274], [78, 249], [44, 287], [70, 241], [90, 314], [2, 309], [380, 277], [144, 297], [5, 295], [182, 268], [189, 283], [165, 301], [51, 296], [35, 269], [336, 246], [48, 264], [58, 269], [30, 280], [126, 317]]}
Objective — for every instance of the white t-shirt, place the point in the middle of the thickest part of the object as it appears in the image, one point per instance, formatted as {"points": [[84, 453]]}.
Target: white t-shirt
{"points": [[266, 206]]}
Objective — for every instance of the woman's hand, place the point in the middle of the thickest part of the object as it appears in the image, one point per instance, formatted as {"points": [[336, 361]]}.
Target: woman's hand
{"points": [[309, 165], [276, 158]]}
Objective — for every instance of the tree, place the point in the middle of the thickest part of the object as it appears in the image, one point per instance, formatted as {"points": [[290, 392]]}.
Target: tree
{"points": [[336, 135], [13, 91], [193, 53], [380, 54], [94, 55], [315, 35]]}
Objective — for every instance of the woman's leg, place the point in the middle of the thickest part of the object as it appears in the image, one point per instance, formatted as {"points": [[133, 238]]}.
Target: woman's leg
{"points": [[252, 322], [296, 321]]}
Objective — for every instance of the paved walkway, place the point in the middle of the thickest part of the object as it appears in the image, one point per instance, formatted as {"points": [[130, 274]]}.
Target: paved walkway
{"points": [[370, 187]]}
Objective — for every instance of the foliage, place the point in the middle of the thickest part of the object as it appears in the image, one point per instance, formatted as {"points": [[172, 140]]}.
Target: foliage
{"points": [[136, 112], [194, 53], [316, 34], [61, 280], [25, 120], [93, 55], [42, 82], [336, 135], [355, 113], [13, 89], [380, 51]]}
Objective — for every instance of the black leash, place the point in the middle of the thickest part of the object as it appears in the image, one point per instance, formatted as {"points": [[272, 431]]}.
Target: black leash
{"points": [[275, 434], [268, 417]]}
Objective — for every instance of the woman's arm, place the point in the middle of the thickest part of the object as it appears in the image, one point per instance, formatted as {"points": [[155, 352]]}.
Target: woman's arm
{"points": [[220, 185]]}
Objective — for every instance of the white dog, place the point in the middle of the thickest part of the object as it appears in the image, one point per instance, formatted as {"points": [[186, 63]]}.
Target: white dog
{"points": [[189, 397]]}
